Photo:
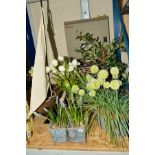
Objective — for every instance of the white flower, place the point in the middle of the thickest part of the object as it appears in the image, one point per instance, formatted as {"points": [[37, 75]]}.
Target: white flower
{"points": [[54, 70], [74, 62], [51, 67], [78, 63], [54, 63], [60, 58], [120, 82], [48, 69], [61, 68], [70, 64], [71, 68]]}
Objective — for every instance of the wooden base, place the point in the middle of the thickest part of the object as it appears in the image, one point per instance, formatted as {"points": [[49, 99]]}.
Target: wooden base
{"points": [[41, 139]]}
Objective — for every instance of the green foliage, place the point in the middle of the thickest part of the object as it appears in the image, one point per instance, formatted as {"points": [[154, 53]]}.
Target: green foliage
{"points": [[95, 51], [113, 109], [74, 110], [57, 116]]}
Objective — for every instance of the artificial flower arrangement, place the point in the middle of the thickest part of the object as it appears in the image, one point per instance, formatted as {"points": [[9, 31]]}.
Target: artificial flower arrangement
{"points": [[92, 97], [64, 73], [104, 102], [93, 51]]}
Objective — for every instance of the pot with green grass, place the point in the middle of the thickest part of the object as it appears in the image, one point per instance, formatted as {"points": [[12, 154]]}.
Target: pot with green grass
{"points": [[76, 129], [58, 122], [105, 103]]}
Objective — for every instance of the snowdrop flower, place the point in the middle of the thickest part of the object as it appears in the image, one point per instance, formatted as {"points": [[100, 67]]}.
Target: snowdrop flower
{"points": [[54, 63], [48, 69], [60, 58], [70, 69], [61, 68]]}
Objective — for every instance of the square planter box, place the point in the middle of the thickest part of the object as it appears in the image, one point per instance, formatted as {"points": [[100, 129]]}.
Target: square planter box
{"points": [[59, 135], [76, 134]]}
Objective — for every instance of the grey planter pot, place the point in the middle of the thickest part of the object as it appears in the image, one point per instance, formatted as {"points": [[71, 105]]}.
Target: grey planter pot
{"points": [[76, 134], [59, 135]]}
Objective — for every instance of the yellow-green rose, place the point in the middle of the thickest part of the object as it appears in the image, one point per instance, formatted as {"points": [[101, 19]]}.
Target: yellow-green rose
{"points": [[81, 92], [114, 71], [92, 93], [75, 89], [103, 74], [106, 85], [94, 69], [114, 84]]}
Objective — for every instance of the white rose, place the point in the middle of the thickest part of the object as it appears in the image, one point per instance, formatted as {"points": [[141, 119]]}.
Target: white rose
{"points": [[54, 63], [71, 68], [48, 69], [61, 58], [61, 68], [74, 62]]}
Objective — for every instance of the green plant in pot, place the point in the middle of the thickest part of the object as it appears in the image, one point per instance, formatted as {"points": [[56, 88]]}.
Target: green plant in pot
{"points": [[63, 73], [103, 102], [58, 122], [76, 129]]}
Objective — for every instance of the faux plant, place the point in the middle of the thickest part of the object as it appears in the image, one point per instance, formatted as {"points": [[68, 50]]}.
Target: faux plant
{"points": [[94, 51], [57, 116], [102, 100], [63, 73]]}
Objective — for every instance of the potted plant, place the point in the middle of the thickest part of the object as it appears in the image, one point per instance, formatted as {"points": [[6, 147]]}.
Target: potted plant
{"points": [[76, 127], [65, 74], [58, 122], [104, 102]]}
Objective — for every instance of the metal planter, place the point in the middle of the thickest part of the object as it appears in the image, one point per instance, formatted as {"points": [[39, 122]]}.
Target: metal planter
{"points": [[59, 135], [76, 134]]}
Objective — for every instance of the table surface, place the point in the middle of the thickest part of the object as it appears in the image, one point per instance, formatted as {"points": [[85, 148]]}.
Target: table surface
{"points": [[41, 139]]}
